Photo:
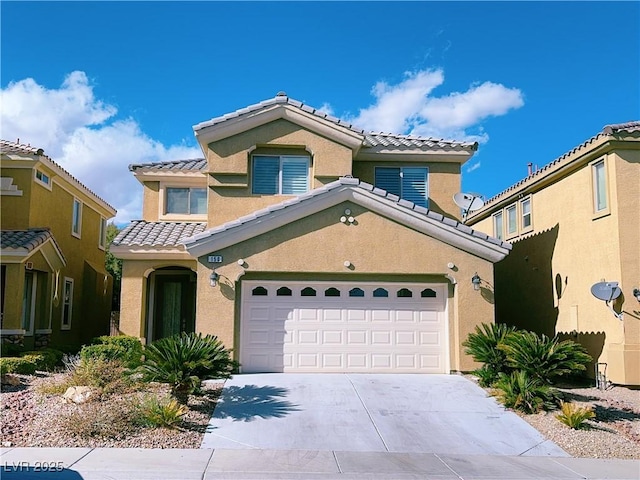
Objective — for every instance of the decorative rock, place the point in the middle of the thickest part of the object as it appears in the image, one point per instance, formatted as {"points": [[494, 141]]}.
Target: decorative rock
{"points": [[77, 394], [8, 379]]}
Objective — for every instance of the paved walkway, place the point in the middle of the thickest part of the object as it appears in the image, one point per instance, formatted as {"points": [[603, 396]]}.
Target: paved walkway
{"points": [[147, 464], [442, 414]]}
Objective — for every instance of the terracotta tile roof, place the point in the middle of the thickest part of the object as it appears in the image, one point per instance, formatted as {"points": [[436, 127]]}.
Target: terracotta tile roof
{"points": [[188, 165], [359, 184], [608, 130], [157, 234], [28, 240], [371, 139], [20, 149]]}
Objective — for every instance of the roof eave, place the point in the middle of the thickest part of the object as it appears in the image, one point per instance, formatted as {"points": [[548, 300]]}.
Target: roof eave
{"points": [[207, 134], [147, 252]]}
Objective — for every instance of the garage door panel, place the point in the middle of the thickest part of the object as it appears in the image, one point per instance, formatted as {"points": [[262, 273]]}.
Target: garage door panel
{"points": [[343, 333]]}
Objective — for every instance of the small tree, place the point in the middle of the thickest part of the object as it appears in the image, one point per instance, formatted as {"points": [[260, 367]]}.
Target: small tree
{"points": [[113, 266]]}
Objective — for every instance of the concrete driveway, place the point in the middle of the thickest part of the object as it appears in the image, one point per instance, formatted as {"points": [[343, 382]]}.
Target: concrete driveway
{"points": [[445, 414]]}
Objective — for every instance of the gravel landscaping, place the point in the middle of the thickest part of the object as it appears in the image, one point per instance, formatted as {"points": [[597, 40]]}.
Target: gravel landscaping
{"points": [[31, 418]]}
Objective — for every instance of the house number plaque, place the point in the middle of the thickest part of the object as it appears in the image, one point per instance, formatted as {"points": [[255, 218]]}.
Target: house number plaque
{"points": [[214, 258]]}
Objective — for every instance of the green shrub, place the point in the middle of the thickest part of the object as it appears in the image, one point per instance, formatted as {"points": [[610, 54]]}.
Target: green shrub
{"points": [[486, 375], [21, 365], [45, 359], [542, 357], [11, 350], [155, 412], [184, 360], [124, 348], [573, 415], [484, 347], [524, 393]]}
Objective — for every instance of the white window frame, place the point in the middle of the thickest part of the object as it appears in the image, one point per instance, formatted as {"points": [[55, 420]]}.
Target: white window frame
{"points": [[162, 202], [499, 235], [281, 161], [512, 208], [70, 281], [45, 184], [76, 221], [102, 234], [524, 227], [594, 183]]}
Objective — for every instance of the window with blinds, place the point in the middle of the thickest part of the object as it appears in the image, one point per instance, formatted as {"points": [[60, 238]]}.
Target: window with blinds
{"points": [[280, 174], [409, 183]]}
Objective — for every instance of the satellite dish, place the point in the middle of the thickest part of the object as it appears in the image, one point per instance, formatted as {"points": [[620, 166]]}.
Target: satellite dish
{"points": [[607, 291], [468, 202]]}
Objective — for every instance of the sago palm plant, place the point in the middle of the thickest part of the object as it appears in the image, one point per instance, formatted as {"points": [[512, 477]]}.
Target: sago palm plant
{"points": [[574, 416], [184, 360], [524, 393], [542, 357], [484, 346]]}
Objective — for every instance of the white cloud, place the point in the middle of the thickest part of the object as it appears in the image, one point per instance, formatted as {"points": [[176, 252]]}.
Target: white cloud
{"points": [[472, 167], [410, 107], [82, 134], [327, 108]]}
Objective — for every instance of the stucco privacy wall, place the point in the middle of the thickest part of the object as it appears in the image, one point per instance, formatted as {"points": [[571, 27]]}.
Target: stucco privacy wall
{"points": [[318, 245], [135, 274]]}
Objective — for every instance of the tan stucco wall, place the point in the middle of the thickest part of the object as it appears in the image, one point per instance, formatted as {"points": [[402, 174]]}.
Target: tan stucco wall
{"points": [[378, 248], [150, 201], [133, 298], [444, 182], [230, 158], [14, 207], [544, 284]]}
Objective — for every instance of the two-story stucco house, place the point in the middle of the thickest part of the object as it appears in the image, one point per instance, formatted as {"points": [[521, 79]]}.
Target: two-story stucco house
{"points": [[575, 223], [308, 245], [54, 285]]}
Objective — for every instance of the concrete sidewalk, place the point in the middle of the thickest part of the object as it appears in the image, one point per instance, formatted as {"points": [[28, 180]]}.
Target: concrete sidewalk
{"points": [[146, 464]]}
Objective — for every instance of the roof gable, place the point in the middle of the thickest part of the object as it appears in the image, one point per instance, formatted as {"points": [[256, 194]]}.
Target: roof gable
{"points": [[19, 245], [374, 199]]}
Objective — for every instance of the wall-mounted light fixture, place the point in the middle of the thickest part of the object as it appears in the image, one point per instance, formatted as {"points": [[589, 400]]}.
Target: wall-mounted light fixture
{"points": [[213, 278], [636, 293], [476, 280], [347, 218]]}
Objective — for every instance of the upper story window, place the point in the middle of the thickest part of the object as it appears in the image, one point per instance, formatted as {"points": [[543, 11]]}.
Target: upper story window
{"points": [[525, 212], [102, 238], [599, 186], [409, 183], [280, 174], [190, 201], [512, 220], [498, 226], [76, 220], [43, 178]]}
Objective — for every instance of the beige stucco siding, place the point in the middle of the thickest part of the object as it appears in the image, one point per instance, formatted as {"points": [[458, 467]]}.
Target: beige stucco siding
{"points": [[151, 201], [376, 247], [14, 207], [229, 162], [443, 180]]}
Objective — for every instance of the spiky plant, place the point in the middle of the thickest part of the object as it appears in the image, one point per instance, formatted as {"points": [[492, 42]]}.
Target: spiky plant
{"points": [[184, 360], [542, 357], [484, 346], [574, 416], [523, 392], [156, 412]]}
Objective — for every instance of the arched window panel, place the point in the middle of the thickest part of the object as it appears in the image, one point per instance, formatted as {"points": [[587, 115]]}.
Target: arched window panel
{"points": [[283, 292], [428, 293], [356, 292], [308, 292], [380, 293], [259, 292], [404, 293], [332, 292]]}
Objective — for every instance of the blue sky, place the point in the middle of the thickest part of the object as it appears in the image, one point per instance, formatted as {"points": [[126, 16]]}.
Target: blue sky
{"points": [[100, 85]]}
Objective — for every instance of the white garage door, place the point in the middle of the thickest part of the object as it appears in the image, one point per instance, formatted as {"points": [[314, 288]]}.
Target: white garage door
{"points": [[343, 327]]}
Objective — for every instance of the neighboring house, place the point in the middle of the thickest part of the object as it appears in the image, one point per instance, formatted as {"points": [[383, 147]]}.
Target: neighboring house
{"points": [[55, 288], [574, 223], [307, 245]]}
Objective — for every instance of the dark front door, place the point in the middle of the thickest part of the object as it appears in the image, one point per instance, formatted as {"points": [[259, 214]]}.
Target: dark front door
{"points": [[175, 300]]}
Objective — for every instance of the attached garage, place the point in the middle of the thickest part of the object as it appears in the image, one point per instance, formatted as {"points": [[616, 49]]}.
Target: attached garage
{"points": [[343, 327]]}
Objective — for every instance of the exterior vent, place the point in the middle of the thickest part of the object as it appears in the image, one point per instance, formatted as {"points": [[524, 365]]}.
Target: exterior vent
{"points": [[28, 266]]}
